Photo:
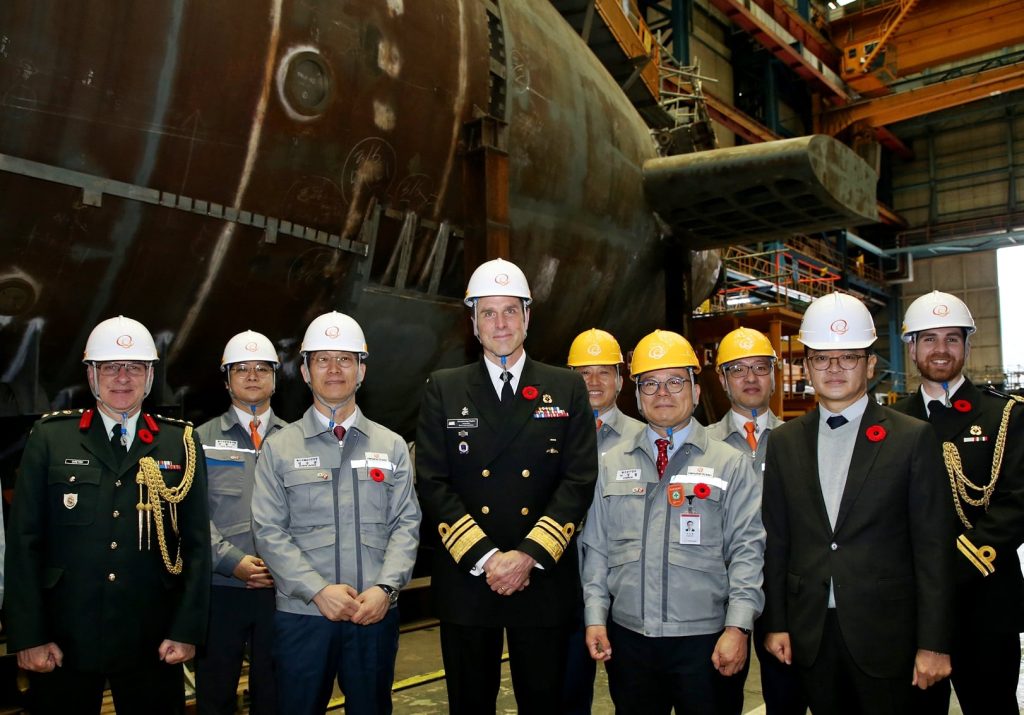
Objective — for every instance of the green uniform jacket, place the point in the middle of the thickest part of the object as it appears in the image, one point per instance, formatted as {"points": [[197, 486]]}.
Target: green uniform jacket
{"points": [[76, 575]]}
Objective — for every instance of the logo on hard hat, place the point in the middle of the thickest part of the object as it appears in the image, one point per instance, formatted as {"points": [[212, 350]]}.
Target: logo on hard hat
{"points": [[839, 327], [594, 349], [940, 310], [745, 343], [251, 347], [657, 352], [501, 279], [332, 332], [125, 341]]}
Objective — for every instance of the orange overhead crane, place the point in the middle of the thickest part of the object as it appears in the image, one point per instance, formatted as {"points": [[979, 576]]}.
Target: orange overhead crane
{"points": [[889, 42]]}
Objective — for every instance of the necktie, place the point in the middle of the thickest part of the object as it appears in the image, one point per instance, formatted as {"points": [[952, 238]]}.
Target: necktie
{"points": [[339, 432], [750, 427], [836, 421], [254, 430], [600, 424], [115, 439], [662, 461], [506, 389], [935, 406]]}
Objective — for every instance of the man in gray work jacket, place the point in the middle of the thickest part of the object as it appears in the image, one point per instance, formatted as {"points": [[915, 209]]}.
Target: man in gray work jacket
{"points": [[747, 364], [337, 521], [242, 599], [673, 546]]}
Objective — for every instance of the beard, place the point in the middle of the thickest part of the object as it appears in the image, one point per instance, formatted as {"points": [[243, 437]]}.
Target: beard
{"points": [[941, 373]]}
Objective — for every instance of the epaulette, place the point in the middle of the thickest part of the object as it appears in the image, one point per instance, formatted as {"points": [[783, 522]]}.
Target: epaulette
{"points": [[62, 413], [174, 420], [991, 391]]}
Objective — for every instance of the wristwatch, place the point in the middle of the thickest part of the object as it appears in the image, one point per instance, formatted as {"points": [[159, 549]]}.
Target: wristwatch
{"points": [[391, 592]]}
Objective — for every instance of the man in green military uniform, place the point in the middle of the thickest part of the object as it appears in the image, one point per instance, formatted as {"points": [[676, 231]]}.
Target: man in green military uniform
{"points": [[982, 435], [108, 559]]}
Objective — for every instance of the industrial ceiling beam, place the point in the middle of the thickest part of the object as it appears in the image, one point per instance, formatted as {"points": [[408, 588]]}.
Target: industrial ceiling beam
{"points": [[788, 48], [930, 98], [937, 32]]}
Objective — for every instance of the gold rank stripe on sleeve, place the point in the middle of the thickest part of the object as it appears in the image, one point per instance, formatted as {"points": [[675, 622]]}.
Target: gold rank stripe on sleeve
{"points": [[551, 536], [461, 536], [983, 559]]}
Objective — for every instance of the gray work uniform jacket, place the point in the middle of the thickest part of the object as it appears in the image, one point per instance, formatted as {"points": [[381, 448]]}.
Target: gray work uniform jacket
{"points": [[725, 431], [231, 473], [616, 428], [635, 563], [327, 514]]}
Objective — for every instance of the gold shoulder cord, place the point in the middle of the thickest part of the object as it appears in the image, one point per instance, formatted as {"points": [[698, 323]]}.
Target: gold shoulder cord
{"points": [[959, 482], [152, 479]]}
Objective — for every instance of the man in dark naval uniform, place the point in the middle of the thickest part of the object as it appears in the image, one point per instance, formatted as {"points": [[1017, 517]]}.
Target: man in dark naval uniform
{"points": [[506, 462], [982, 435], [108, 558]]}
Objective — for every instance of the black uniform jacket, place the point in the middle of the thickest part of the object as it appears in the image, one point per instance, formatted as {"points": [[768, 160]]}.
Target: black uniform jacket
{"points": [[75, 573], [888, 556], [990, 589], [513, 477]]}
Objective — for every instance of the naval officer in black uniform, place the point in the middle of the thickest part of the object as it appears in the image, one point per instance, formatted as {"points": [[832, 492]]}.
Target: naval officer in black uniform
{"points": [[506, 462], [982, 432], [108, 558]]}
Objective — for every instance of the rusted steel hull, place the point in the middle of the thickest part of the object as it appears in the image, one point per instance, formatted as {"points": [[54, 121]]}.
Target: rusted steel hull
{"points": [[278, 159]]}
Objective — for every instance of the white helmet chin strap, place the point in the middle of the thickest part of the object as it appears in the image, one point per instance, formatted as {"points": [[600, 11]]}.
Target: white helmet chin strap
{"points": [[134, 407], [333, 408]]}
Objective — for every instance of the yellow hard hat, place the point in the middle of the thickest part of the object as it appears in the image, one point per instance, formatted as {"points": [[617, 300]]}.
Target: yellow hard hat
{"points": [[744, 343], [594, 347], [662, 349]]}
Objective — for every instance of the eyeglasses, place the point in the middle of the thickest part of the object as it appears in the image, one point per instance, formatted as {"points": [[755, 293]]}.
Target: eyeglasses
{"points": [[258, 368], [323, 362], [674, 385], [740, 370], [824, 362], [113, 369]]}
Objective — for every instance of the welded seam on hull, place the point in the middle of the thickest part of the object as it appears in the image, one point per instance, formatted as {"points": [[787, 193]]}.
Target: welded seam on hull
{"points": [[227, 233], [457, 109]]}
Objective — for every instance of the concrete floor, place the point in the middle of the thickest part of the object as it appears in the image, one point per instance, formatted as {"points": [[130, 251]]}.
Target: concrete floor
{"points": [[420, 687]]}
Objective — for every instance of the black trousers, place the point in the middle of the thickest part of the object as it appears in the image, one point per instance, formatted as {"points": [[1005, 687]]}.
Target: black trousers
{"points": [[650, 676], [239, 617], [472, 664], [580, 670], [985, 671], [835, 684], [153, 688]]}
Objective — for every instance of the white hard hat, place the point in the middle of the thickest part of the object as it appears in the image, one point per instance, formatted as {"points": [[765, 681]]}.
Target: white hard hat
{"points": [[497, 277], [836, 321], [334, 331], [936, 310], [120, 338], [247, 346]]}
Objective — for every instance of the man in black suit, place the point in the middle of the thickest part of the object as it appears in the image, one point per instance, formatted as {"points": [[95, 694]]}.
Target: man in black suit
{"points": [[108, 561], [857, 566], [506, 461], [982, 434]]}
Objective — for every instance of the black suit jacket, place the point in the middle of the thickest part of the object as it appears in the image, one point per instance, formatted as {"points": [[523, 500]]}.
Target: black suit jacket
{"points": [[517, 477], [75, 574], [989, 591], [888, 556]]}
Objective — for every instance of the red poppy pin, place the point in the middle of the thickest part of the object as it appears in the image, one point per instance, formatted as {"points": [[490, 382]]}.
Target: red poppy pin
{"points": [[83, 424], [701, 490], [961, 405], [145, 436], [376, 475], [875, 433], [529, 392], [151, 423]]}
